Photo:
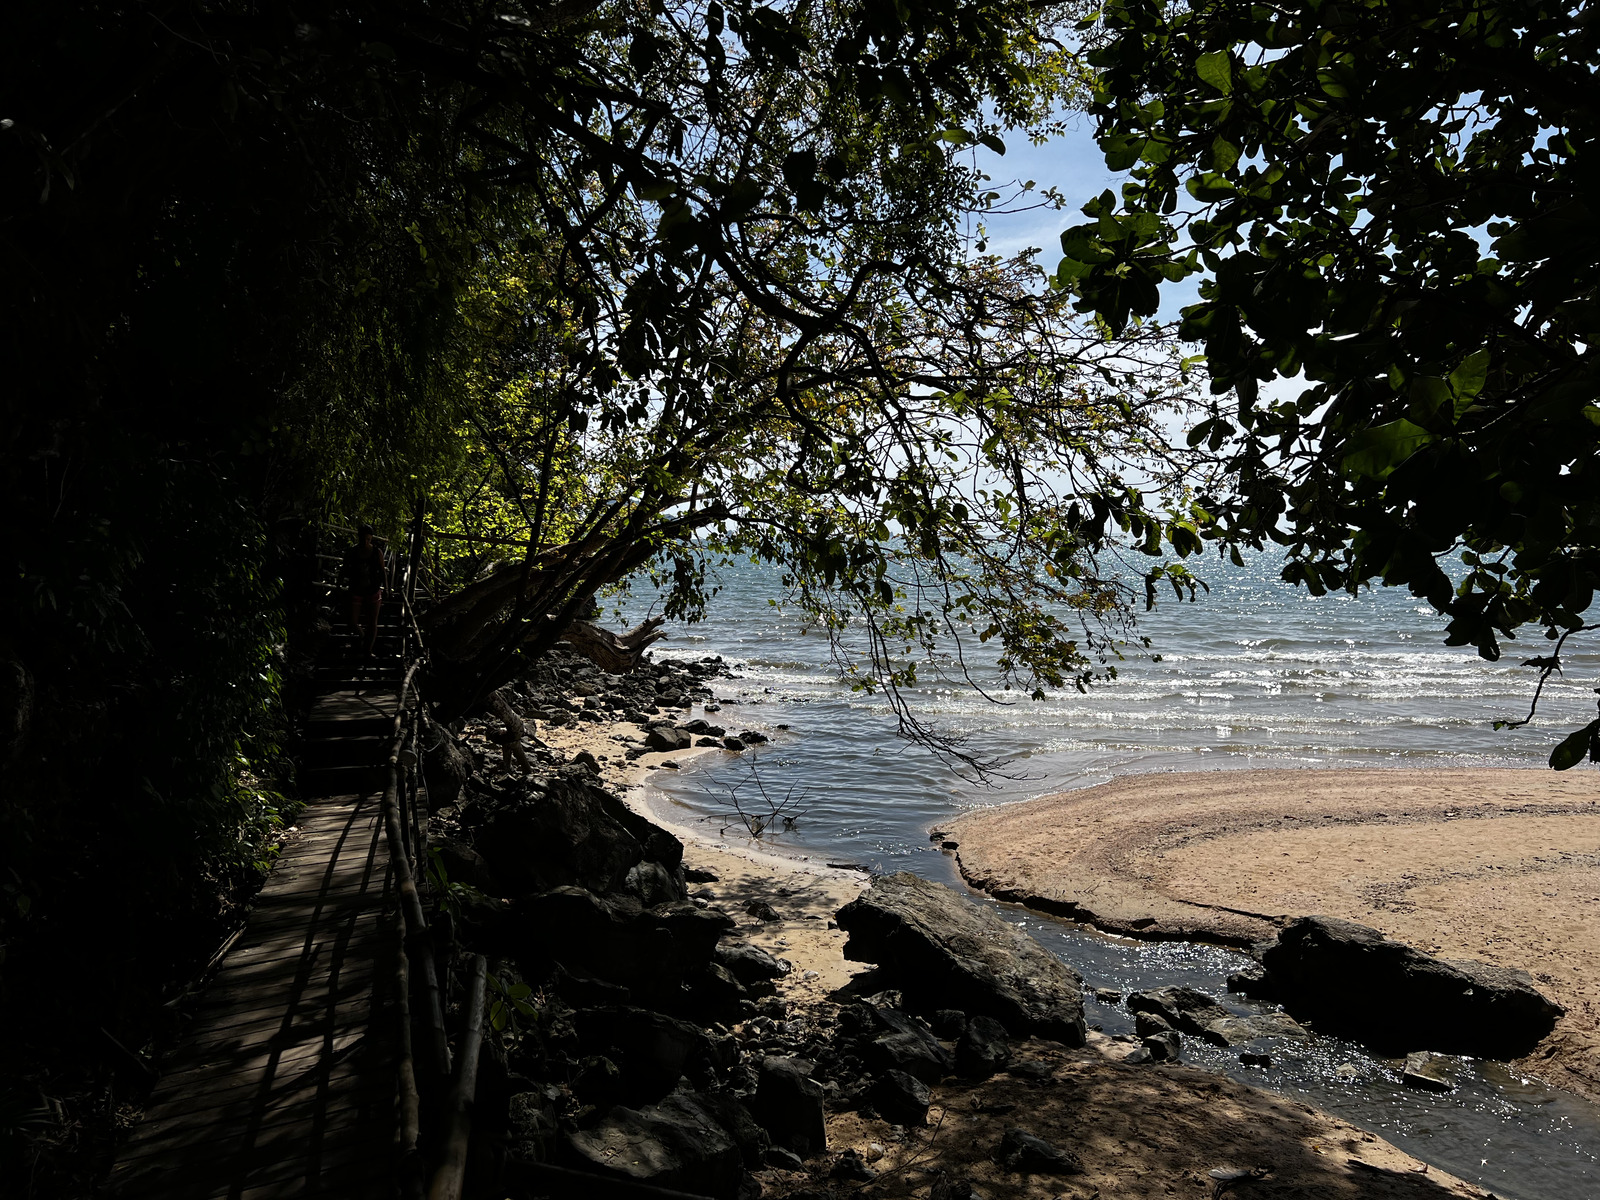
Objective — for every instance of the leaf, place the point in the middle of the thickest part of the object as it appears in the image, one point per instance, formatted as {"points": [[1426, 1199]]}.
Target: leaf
{"points": [[1216, 69], [1573, 747], [1466, 381], [1376, 452], [1223, 154]]}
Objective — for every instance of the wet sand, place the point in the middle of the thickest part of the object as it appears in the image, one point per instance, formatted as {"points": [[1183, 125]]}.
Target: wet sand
{"points": [[1501, 866]]}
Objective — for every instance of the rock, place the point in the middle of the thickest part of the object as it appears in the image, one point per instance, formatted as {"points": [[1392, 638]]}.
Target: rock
{"points": [[667, 739], [1255, 1060], [850, 1166], [1425, 1072], [700, 875], [532, 1126], [652, 883], [1248, 981], [1108, 995], [651, 1050], [616, 939], [945, 1188], [734, 1117], [699, 726], [712, 994], [788, 1105], [762, 911], [707, 741], [1021, 1151], [752, 737], [1147, 1023], [907, 1044], [783, 1160], [751, 964], [982, 1049], [1233, 1030], [599, 1082], [949, 1023], [901, 1099], [574, 834], [1163, 1047], [677, 1144], [445, 766], [1351, 980], [1036, 1069], [950, 953], [463, 864], [736, 744], [1182, 1008]]}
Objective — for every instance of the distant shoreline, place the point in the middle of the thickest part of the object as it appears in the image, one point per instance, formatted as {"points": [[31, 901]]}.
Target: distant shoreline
{"points": [[1498, 865]]}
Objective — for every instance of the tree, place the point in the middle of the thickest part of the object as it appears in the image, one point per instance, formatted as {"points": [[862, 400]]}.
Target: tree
{"points": [[1391, 203]]}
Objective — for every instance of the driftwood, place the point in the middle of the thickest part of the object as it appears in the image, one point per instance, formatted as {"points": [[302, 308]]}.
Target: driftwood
{"points": [[613, 652], [510, 738]]}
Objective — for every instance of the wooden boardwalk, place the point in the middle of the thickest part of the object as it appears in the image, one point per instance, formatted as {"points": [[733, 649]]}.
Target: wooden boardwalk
{"points": [[285, 1083]]}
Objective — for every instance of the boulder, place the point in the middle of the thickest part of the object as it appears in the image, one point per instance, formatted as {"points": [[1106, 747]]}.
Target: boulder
{"points": [[950, 953], [1147, 1023], [903, 1042], [900, 1099], [1351, 980], [668, 738], [788, 1105], [1234, 1030], [1162, 1047], [463, 864], [651, 1050], [573, 833], [1182, 1008], [1425, 1072], [649, 951], [751, 964], [532, 1126], [1021, 1151], [677, 1144], [982, 1049]]}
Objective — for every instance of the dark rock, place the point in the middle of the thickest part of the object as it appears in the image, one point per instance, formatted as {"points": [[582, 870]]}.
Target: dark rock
{"points": [[1425, 1072], [584, 991], [616, 939], [851, 1166], [1108, 995], [983, 1048], [712, 994], [1248, 981], [1021, 1151], [945, 1188], [707, 741], [733, 1116], [651, 1050], [736, 744], [463, 864], [1352, 980], [1255, 1060], [1233, 1030], [599, 1082], [574, 834], [762, 911], [752, 737], [532, 1126], [699, 875], [948, 952], [677, 1144], [445, 767], [1182, 1008], [1033, 1068], [784, 1160], [1163, 1047], [653, 884], [900, 1098], [699, 726], [751, 964], [1147, 1023], [949, 1023], [788, 1105], [907, 1044], [667, 739]]}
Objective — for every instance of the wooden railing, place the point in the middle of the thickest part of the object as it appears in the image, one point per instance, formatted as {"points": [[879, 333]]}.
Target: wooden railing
{"points": [[436, 1089]]}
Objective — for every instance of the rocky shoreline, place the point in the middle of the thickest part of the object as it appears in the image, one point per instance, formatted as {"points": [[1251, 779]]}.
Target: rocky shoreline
{"points": [[693, 1016]]}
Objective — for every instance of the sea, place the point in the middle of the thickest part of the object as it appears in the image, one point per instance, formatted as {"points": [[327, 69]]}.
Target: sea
{"points": [[1253, 673]]}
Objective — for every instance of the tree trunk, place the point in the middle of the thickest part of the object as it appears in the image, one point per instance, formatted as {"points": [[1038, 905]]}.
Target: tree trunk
{"points": [[616, 653]]}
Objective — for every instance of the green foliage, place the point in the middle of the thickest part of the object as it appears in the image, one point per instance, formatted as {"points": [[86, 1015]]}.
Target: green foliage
{"points": [[1390, 202]]}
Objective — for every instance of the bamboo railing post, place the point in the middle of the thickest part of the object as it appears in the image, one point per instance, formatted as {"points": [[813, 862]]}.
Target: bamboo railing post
{"points": [[412, 1169], [447, 1181]]}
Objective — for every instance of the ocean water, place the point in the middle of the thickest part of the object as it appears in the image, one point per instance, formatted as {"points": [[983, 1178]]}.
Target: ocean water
{"points": [[1252, 674]]}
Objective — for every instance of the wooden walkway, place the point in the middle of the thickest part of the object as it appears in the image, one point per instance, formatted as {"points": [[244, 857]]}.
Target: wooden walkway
{"points": [[285, 1083]]}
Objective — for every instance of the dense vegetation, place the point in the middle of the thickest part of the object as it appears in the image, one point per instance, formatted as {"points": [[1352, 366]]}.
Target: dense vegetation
{"points": [[1391, 207], [617, 284]]}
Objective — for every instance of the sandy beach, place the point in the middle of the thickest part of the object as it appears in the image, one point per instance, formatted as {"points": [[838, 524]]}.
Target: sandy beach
{"points": [[1501, 866], [1152, 1130]]}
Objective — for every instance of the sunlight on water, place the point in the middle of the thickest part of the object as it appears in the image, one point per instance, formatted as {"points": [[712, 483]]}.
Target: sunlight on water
{"points": [[1254, 674]]}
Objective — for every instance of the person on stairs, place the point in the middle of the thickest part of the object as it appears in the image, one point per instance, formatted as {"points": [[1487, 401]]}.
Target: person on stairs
{"points": [[365, 571]]}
